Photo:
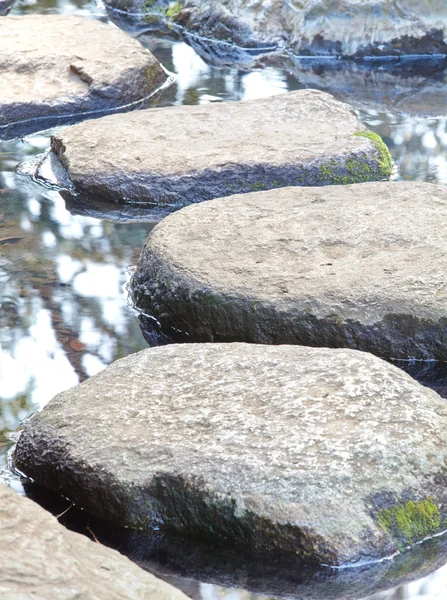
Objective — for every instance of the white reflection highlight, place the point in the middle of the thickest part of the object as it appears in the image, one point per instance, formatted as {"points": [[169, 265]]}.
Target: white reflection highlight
{"points": [[99, 281], [92, 364], [262, 84], [189, 68]]}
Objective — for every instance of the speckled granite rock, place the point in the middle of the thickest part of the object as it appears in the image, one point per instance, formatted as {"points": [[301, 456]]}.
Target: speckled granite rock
{"points": [[186, 154], [317, 452], [341, 266], [56, 65], [352, 28], [41, 559]]}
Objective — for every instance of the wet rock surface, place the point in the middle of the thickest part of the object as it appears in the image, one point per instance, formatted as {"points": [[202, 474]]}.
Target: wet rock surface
{"points": [[53, 67], [182, 155], [372, 28], [39, 558], [341, 266], [331, 455]]}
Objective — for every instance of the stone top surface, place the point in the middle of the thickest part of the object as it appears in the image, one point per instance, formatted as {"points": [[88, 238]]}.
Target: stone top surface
{"points": [[280, 130], [55, 62], [359, 251], [304, 437], [41, 559]]}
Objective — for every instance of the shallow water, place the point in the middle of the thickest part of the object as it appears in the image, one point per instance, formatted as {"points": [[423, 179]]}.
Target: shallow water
{"points": [[63, 310]]}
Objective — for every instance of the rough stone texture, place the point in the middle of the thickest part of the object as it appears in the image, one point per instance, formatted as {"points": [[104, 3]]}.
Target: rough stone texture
{"points": [[40, 559], [357, 266], [271, 448], [352, 28], [53, 66], [177, 156]]}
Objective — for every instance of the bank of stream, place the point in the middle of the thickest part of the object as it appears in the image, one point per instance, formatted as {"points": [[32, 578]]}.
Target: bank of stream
{"points": [[64, 313]]}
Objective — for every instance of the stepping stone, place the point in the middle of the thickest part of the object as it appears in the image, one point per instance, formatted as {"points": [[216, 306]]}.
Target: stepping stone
{"points": [[359, 266], [40, 558], [332, 455], [186, 154], [54, 67], [351, 29]]}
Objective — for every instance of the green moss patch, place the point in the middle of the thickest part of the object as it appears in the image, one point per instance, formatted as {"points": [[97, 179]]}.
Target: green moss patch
{"points": [[384, 159], [410, 522]]}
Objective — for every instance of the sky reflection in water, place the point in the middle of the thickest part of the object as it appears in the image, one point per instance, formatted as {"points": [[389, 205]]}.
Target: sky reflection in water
{"points": [[63, 310]]}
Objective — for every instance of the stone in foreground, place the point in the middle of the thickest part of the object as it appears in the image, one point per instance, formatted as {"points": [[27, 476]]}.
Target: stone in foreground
{"points": [[41, 559], [332, 455], [352, 28], [186, 154], [54, 66], [359, 266]]}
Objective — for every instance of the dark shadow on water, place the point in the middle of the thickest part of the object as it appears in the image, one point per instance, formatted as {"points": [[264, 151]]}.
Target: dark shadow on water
{"points": [[119, 212], [179, 560], [432, 374]]}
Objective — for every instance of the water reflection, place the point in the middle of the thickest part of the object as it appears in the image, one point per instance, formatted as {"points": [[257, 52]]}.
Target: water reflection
{"points": [[63, 313]]}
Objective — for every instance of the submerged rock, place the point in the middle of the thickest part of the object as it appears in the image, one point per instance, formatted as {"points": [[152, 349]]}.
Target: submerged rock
{"points": [[331, 456], [357, 266], [186, 154], [53, 67], [370, 28], [39, 558]]}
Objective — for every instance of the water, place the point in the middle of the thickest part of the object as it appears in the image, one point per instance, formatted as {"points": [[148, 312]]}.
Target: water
{"points": [[63, 310]]}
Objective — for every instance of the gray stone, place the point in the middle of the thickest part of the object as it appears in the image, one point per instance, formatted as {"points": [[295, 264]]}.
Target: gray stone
{"points": [[357, 266], [309, 27], [280, 449], [186, 154], [54, 66], [41, 559], [413, 87]]}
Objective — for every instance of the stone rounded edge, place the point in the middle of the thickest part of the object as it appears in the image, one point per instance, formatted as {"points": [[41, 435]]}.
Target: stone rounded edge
{"points": [[355, 156], [372, 521], [59, 563], [175, 306], [136, 77]]}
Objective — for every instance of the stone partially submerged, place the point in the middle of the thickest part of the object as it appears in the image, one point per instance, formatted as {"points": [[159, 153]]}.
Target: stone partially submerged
{"points": [[39, 558], [352, 28], [331, 456], [357, 266], [57, 67], [186, 154]]}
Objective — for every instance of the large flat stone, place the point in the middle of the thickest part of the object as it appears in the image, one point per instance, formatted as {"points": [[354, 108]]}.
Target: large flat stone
{"points": [[357, 266], [41, 559], [54, 66], [331, 455], [351, 28], [182, 155]]}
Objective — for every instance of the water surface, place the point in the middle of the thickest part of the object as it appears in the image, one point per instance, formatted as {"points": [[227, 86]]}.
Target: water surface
{"points": [[64, 314]]}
